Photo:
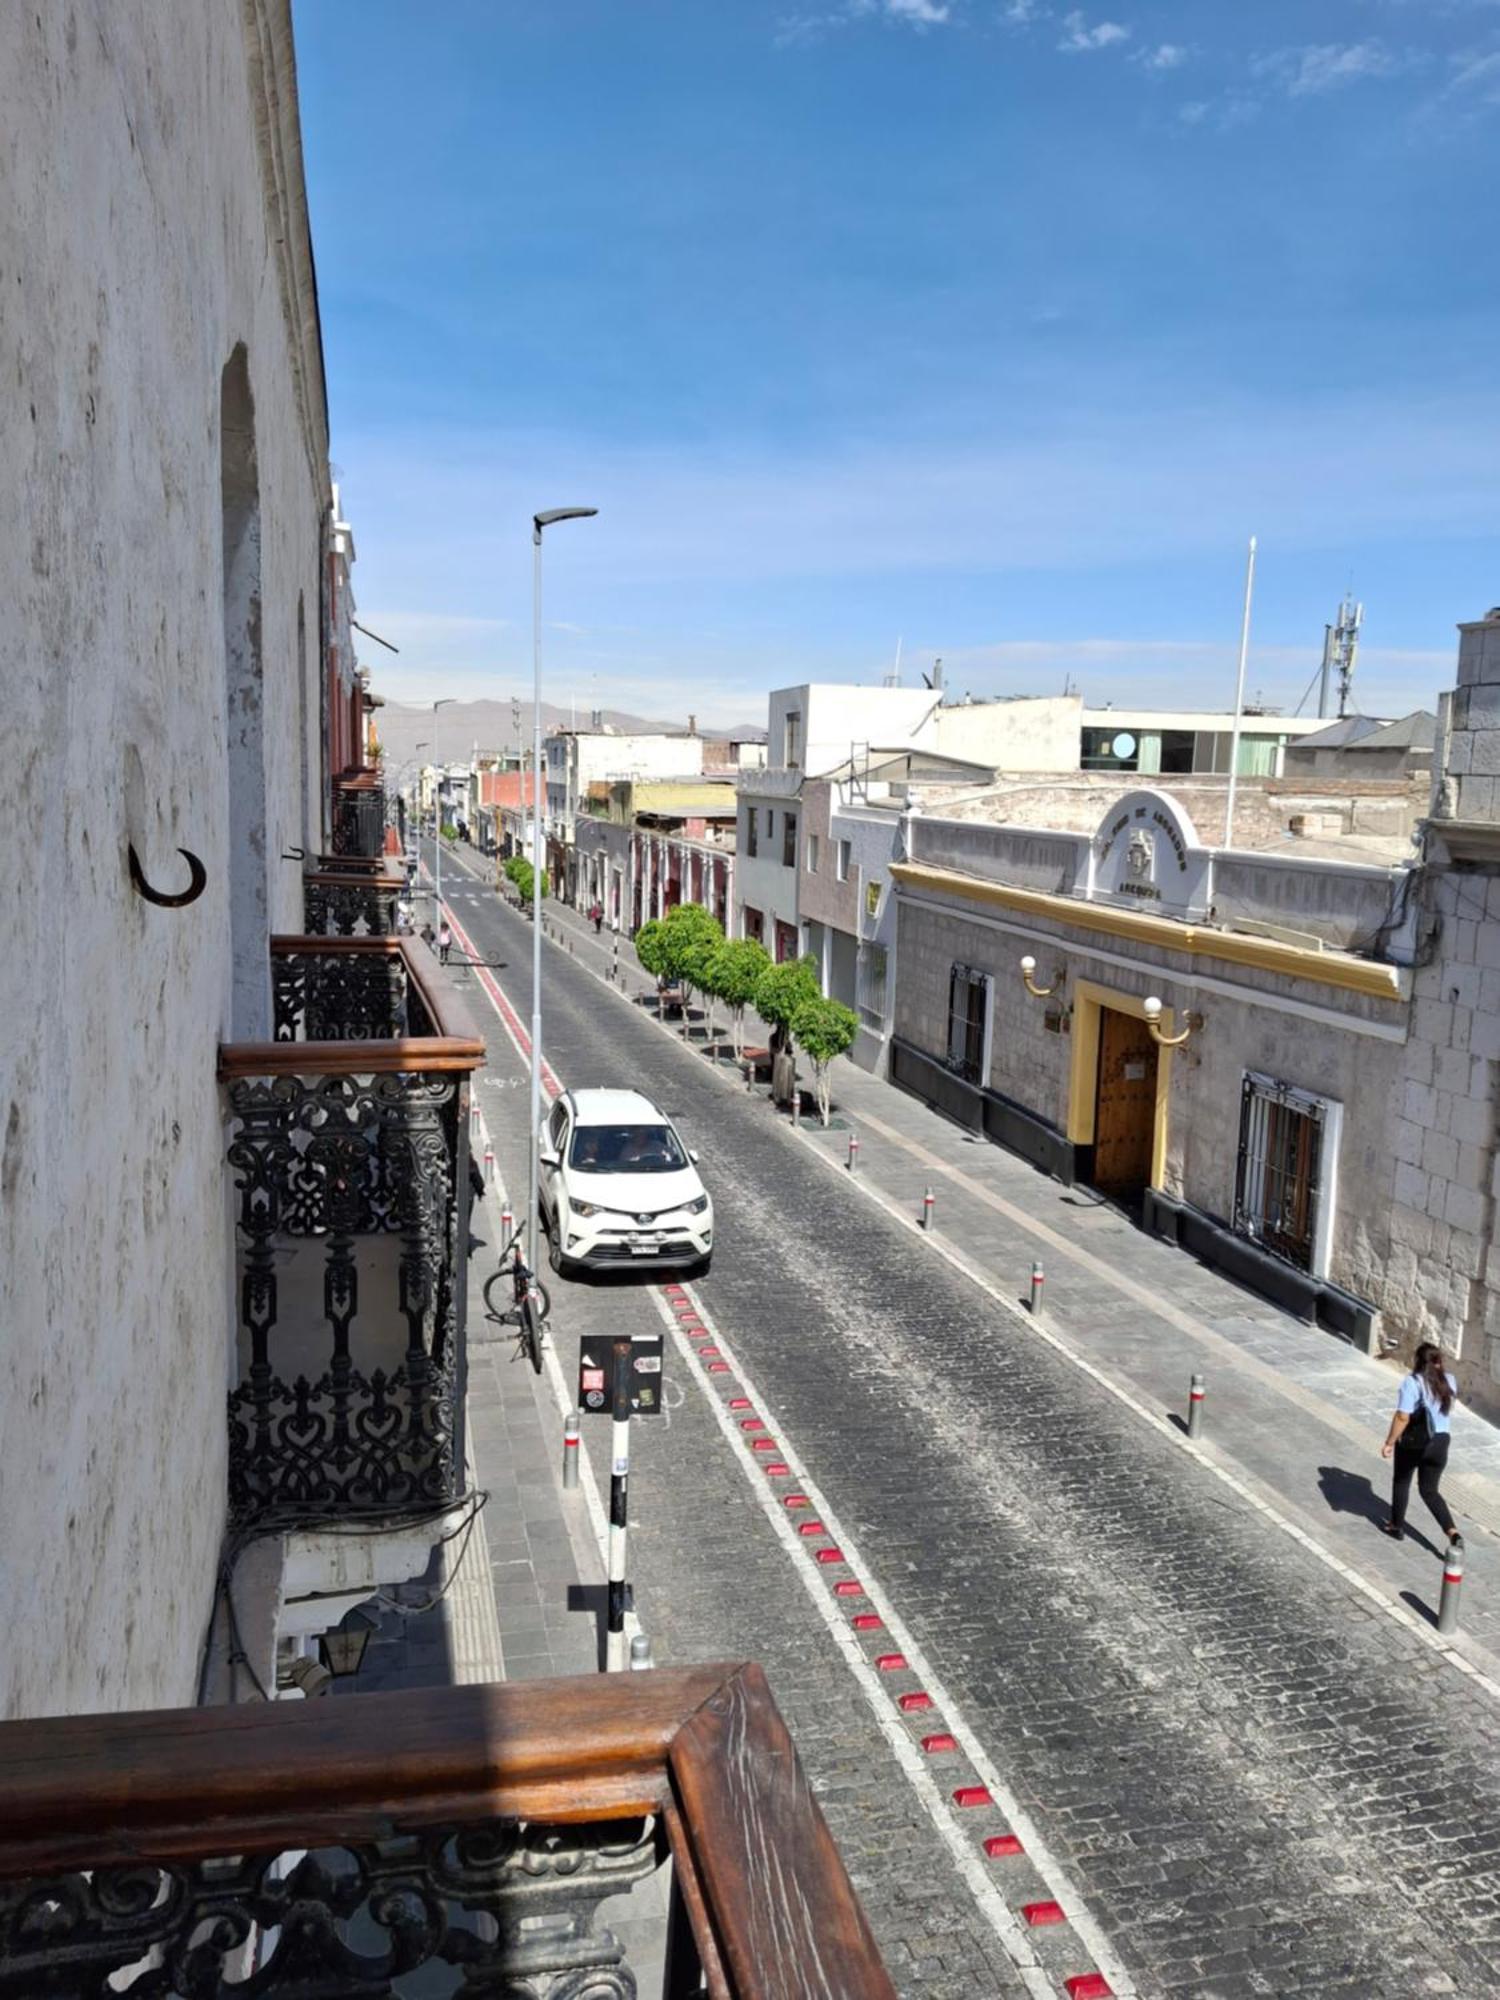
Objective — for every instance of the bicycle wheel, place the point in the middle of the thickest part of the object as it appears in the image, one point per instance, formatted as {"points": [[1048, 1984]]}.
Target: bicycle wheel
{"points": [[531, 1336], [543, 1300]]}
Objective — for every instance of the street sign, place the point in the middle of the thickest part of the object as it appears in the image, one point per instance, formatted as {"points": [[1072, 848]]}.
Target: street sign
{"points": [[596, 1376]]}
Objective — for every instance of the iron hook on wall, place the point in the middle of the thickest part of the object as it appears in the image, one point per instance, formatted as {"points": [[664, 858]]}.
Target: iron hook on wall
{"points": [[197, 882]]}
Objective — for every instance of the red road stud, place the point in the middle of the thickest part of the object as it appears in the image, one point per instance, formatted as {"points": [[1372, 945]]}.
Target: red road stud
{"points": [[775, 1468], [751, 1424], [797, 1500], [811, 1528], [830, 1555], [763, 1444], [1001, 1846], [718, 1367], [868, 1621], [912, 1704], [1038, 1915], [1088, 1986], [940, 1744], [705, 1352], [973, 1795], [891, 1663], [848, 1588], [739, 1402]]}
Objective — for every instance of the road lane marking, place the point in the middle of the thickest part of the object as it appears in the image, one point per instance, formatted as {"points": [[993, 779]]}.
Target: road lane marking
{"points": [[944, 1812]]}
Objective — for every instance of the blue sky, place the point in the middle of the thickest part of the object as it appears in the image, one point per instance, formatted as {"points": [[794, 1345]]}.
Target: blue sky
{"points": [[993, 326]]}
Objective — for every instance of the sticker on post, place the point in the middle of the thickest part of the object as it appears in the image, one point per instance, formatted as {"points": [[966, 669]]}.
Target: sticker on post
{"points": [[593, 1378], [621, 1467], [648, 1364]]}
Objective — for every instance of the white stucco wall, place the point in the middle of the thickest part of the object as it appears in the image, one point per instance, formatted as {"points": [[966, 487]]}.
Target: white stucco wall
{"points": [[134, 254]]}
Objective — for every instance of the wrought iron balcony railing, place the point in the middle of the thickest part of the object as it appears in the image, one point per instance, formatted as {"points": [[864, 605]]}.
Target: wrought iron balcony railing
{"points": [[348, 1145], [359, 814], [351, 903], [457, 1840]]}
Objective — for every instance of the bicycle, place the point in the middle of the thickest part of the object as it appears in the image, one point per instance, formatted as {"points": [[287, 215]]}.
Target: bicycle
{"points": [[531, 1303]]}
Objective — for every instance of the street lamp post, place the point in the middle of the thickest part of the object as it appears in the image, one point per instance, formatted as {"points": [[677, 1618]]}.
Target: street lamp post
{"points": [[446, 702], [538, 523]]}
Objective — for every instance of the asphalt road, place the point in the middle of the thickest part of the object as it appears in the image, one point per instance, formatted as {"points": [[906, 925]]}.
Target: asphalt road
{"points": [[1258, 1786]]}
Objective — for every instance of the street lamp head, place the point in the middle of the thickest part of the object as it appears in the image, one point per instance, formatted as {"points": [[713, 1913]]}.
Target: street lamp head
{"points": [[1151, 1008], [446, 702], [546, 520]]}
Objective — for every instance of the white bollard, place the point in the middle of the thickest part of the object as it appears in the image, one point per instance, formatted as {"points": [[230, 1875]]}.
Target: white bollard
{"points": [[570, 1451], [927, 1205], [640, 1654], [1038, 1286], [853, 1160], [1197, 1388]]}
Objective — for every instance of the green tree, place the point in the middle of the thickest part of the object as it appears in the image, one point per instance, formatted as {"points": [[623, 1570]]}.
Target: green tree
{"points": [[824, 1030], [780, 991], [518, 870], [651, 951], [690, 936], [733, 973]]}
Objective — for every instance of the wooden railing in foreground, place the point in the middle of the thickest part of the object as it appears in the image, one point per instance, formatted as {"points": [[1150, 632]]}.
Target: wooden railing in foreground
{"points": [[340, 1847]]}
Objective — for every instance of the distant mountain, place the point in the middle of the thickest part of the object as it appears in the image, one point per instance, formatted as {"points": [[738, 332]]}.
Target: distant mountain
{"points": [[459, 725]]}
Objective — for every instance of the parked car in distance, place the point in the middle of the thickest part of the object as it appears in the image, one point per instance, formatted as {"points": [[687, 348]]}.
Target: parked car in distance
{"points": [[618, 1186]]}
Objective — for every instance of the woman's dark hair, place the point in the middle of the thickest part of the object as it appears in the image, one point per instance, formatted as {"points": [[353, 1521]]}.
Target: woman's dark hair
{"points": [[1427, 1365]]}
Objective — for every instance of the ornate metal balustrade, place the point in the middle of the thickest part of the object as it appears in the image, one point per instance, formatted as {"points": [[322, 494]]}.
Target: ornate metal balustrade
{"points": [[459, 1839], [348, 1145], [358, 903], [359, 814]]}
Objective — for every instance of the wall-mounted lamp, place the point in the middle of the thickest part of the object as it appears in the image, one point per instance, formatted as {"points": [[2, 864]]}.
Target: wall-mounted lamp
{"points": [[342, 1650], [1152, 1008], [1028, 968]]}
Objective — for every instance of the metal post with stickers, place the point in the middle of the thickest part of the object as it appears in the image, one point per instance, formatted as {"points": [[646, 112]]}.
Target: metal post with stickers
{"points": [[621, 1377]]}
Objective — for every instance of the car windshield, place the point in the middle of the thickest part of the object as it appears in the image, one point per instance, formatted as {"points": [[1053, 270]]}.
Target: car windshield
{"points": [[626, 1149]]}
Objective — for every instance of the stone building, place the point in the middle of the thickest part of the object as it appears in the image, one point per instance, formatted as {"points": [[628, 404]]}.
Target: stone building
{"points": [[1283, 1059], [184, 737]]}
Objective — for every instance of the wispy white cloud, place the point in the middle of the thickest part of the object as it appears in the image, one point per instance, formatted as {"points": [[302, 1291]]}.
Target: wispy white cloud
{"points": [[1080, 37], [1476, 75], [1310, 70], [801, 30], [1166, 55]]}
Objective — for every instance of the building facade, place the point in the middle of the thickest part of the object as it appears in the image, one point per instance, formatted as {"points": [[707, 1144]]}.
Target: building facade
{"points": [[184, 727], [1287, 1064]]}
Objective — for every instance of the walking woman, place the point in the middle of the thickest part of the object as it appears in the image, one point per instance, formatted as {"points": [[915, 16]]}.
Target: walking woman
{"points": [[1418, 1441]]}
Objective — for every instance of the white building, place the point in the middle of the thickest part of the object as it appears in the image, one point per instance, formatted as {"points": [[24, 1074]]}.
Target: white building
{"points": [[168, 560], [578, 758]]}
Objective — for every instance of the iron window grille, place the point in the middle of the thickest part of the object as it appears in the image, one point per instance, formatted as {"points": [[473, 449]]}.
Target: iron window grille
{"points": [[752, 831], [968, 1017], [788, 840], [1278, 1180]]}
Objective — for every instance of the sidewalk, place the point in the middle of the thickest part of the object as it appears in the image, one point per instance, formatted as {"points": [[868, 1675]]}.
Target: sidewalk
{"points": [[1293, 1414]]}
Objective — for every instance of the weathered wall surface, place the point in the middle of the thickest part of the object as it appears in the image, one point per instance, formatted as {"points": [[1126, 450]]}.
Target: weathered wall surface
{"points": [[134, 255]]}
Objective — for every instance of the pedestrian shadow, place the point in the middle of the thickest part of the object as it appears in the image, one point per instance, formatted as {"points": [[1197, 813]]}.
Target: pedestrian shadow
{"points": [[1352, 1493]]}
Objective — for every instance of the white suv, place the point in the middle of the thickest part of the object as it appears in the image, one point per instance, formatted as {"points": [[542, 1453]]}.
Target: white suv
{"points": [[619, 1187]]}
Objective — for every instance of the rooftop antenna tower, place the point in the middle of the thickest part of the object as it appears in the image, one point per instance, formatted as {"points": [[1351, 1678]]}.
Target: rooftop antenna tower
{"points": [[893, 678], [1340, 651]]}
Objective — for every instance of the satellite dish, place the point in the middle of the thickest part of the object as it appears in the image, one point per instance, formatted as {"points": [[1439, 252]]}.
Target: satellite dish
{"points": [[1123, 746]]}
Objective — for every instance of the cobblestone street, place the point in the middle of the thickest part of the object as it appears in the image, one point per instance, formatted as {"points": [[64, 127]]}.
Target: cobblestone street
{"points": [[1245, 1774]]}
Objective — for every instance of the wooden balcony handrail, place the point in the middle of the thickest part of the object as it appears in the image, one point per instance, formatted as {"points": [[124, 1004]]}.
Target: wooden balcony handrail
{"points": [[771, 1908], [334, 877], [453, 1049]]}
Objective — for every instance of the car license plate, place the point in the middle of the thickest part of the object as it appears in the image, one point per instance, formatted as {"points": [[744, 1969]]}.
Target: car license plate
{"points": [[642, 1246]]}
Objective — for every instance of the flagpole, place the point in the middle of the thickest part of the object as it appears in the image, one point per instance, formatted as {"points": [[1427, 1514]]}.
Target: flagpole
{"points": [[1239, 699]]}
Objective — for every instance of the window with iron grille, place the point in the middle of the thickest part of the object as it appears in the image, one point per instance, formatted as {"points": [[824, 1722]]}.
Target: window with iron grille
{"points": [[788, 840], [871, 983], [968, 1019], [1281, 1181], [752, 830]]}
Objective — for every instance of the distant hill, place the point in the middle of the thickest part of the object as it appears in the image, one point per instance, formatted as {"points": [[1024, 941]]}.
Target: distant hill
{"points": [[491, 724]]}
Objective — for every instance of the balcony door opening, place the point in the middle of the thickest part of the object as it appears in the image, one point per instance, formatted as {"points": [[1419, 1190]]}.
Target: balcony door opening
{"points": [[244, 707]]}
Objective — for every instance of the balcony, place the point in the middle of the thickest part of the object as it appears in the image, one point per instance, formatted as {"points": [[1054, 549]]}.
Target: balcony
{"points": [[347, 1141], [458, 1840], [358, 814], [341, 901]]}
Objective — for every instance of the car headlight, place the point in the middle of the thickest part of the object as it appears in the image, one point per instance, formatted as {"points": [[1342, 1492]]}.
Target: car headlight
{"points": [[697, 1207], [587, 1208]]}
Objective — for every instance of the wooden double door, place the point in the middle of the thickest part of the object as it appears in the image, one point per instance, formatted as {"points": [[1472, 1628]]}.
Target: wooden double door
{"points": [[1124, 1105]]}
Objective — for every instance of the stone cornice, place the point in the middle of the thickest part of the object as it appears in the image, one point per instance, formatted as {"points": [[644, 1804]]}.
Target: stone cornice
{"points": [[1324, 968]]}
